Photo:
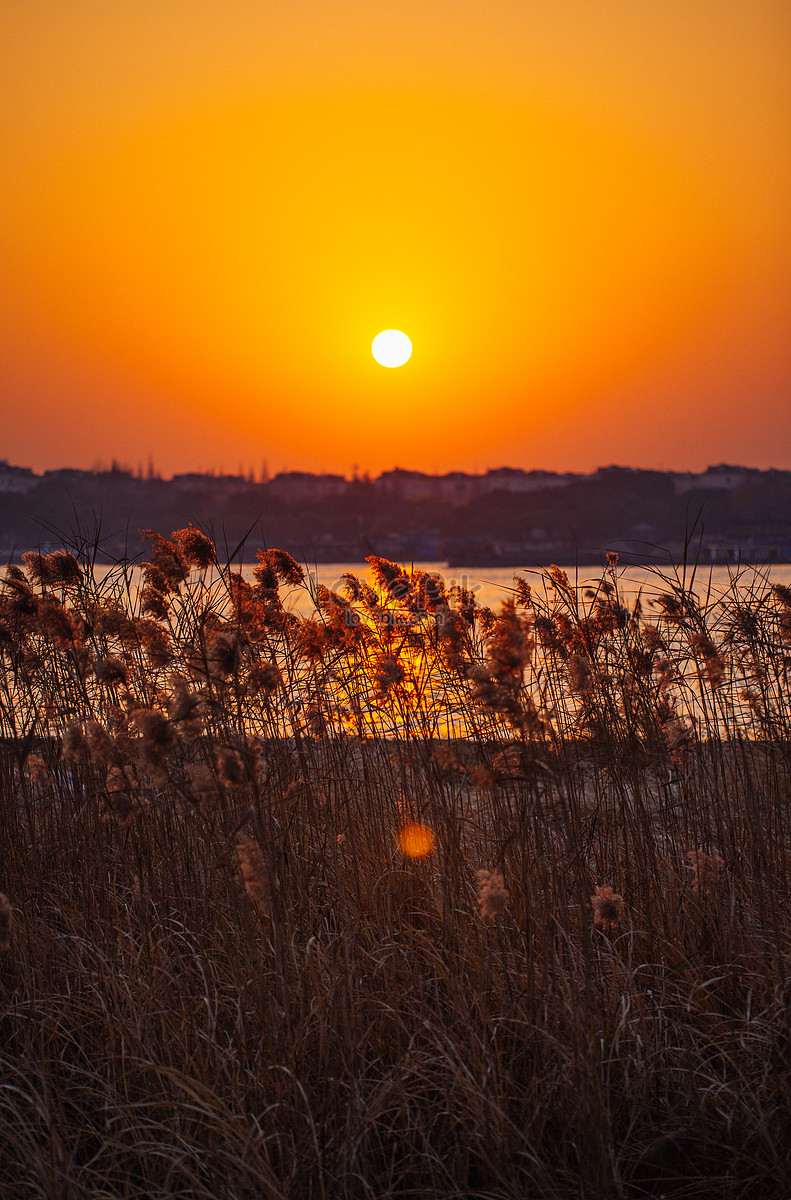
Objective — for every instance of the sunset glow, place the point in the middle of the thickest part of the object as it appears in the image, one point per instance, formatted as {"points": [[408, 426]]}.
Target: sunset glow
{"points": [[579, 214]]}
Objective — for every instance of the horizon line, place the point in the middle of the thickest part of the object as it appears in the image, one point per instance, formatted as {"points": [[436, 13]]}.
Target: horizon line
{"points": [[263, 476]]}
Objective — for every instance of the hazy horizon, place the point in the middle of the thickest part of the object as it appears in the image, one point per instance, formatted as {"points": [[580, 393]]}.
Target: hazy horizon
{"points": [[153, 469]]}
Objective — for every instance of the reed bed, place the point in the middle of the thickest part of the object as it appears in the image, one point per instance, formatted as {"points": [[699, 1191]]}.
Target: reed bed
{"points": [[409, 898]]}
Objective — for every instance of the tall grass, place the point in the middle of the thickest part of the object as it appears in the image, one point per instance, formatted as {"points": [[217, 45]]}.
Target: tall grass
{"points": [[407, 898]]}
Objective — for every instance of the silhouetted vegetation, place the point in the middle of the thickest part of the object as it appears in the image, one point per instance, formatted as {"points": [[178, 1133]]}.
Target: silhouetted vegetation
{"points": [[408, 897]]}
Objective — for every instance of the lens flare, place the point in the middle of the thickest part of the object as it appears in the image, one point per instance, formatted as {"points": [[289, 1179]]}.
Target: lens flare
{"points": [[416, 840]]}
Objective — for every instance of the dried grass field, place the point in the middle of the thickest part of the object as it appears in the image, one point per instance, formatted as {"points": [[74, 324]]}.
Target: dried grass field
{"points": [[404, 898]]}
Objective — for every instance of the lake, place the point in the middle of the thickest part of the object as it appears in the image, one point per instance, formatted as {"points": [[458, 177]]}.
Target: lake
{"points": [[492, 585]]}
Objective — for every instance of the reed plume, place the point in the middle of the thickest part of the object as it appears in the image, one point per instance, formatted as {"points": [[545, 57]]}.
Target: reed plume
{"points": [[194, 547], [492, 893], [706, 870], [607, 908], [252, 867]]}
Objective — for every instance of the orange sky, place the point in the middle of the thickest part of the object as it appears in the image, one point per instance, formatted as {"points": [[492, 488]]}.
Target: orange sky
{"points": [[577, 211]]}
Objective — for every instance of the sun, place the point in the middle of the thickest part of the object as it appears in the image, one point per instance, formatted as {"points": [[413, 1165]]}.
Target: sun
{"points": [[391, 348]]}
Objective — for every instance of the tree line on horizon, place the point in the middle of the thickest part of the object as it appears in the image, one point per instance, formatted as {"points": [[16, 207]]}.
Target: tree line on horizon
{"points": [[637, 510]]}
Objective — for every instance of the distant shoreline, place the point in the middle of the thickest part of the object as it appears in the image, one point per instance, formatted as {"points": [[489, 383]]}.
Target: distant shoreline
{"points": [[504, 519]]}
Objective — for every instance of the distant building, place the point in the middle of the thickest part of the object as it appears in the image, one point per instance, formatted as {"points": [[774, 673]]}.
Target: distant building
{"points": [[67, 475], [511, 479], [455, 486], [114, 475], [458, 486], [407, 485], [192, 481], [721, 479], [235, 483], [195, 481], [452, 488], [17, 479], [299, 485]]}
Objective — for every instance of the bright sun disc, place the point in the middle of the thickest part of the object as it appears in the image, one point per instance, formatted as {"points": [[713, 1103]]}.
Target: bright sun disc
{"points": [[391, 348]]}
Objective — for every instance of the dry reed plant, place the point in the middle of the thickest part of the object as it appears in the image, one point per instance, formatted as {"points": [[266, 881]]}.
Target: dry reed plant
{"points": [[492, 893], [252, 868], [607, 908], [706, 870], [246, 960], [6, 918]]}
